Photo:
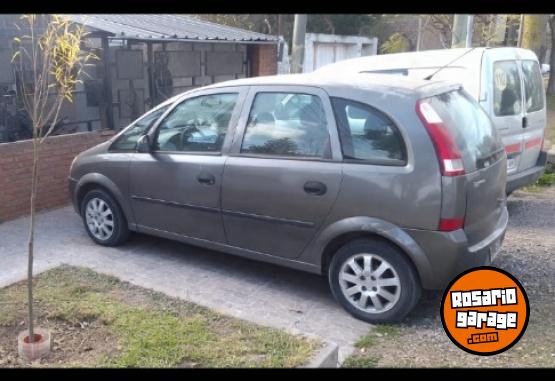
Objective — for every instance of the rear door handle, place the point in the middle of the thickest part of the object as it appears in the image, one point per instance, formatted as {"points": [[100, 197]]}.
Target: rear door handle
{"points": [[524, 122], [206, 178], [315, 187]]}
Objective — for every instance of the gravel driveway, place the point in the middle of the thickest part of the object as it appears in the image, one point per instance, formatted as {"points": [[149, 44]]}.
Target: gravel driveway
{"points": [[529, 254]]}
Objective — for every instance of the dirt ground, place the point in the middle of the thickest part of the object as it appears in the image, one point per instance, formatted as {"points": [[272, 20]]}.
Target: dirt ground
{"points": [[529, 254]]}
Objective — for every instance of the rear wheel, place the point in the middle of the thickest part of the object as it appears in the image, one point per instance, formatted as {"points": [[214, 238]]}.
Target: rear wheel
{"points": [[103, 218], [374, 281]]}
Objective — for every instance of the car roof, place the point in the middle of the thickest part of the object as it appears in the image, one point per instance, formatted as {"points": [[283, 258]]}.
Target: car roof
{"points": [[359, 81]]}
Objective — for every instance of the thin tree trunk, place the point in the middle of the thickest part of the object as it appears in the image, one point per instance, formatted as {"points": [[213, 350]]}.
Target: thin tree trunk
{"points": [[32, 236], [551, 83], [533, 33]]}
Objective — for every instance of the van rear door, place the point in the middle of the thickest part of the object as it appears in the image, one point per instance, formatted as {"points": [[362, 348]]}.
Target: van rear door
{"points": [[507, 112], [534, 121]]}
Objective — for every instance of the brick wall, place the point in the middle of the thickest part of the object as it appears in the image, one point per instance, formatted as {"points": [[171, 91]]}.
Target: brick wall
{"points": [[264, 60], [56, 155]]}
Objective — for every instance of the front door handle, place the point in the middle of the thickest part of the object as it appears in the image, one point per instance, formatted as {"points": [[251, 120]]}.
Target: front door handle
{"points": [[524, 122], [206, 178], [315, 187]]}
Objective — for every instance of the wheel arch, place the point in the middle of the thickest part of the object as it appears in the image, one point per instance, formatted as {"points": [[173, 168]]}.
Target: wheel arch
{"points": [[346, 230], [92, 181]]}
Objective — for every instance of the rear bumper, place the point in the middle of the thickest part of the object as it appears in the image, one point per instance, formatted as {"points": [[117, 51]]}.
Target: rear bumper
{"points": [[528, 176], [449, 253]]}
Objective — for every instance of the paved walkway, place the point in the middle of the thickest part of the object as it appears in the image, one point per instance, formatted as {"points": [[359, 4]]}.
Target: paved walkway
{"points": [[266, 294]]}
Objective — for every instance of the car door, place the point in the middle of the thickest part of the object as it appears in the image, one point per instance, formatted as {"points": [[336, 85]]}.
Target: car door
{"points": [[534, 113], [507, 108], [284, 170], [176, 187]]}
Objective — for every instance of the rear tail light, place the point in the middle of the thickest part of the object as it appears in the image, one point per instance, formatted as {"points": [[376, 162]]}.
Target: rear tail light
{"points": [[447, 152], [450, 224]]}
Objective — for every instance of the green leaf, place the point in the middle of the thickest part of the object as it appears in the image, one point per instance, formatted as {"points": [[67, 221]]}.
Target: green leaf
{"points": [[15, 55]]}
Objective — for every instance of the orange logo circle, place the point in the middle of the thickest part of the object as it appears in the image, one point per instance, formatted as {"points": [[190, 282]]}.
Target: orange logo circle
{"points": [[485, 311]]}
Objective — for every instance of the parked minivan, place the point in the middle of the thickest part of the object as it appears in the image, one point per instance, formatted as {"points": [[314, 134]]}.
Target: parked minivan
{"points": [[367, 179], [507, 82]]}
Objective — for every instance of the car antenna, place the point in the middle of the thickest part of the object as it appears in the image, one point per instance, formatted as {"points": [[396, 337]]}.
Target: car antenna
{"points": [[444, 66]]}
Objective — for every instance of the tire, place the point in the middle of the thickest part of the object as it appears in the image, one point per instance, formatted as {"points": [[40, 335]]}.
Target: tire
{"points": [[119, 231], [398, 270]]}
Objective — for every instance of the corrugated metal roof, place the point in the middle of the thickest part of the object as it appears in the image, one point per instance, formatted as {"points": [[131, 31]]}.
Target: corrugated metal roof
{"points": [[166, 27]]}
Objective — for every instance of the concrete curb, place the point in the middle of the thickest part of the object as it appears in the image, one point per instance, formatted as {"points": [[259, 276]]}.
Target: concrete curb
{"points": [[327, 357]]}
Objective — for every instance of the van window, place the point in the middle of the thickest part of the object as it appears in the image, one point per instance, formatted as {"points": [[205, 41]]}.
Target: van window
{"points": [[471, 128], [533, 89], [506, 89], [367, 134]]}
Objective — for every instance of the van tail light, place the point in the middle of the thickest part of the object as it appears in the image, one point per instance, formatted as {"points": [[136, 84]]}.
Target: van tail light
{"points": [[450, 224], [448, 154], [542, 148]]}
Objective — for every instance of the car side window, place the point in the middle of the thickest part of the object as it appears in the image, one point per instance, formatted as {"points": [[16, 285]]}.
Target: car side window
{"points": [[368, 134], [507, 96], [532, 85], [287, 124], [127, 141], [197, 125]]}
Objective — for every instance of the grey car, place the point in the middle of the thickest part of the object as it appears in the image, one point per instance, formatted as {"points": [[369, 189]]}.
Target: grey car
{"points": [[386, 185]]}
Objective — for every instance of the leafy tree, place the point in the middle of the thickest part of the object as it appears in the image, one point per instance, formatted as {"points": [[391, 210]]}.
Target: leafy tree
{"points": [[346, 24], [396, 43], [50, 51]]}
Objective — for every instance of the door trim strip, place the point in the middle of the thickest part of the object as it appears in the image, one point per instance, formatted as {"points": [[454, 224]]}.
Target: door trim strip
{"points": [[176, 204], [304, 224]]}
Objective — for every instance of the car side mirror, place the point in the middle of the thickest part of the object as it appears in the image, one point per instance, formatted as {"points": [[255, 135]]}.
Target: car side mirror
{"points": [[143, 144]]}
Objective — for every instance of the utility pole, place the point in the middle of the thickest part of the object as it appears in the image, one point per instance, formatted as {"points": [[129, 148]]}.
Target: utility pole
{"points": [[462, 31], [419, 35], [520, 28], [297, 53], [280, 24], [469, 30]]}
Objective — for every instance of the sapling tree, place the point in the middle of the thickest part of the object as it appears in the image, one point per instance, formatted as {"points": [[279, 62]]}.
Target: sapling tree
{"points": [[49, 62]]}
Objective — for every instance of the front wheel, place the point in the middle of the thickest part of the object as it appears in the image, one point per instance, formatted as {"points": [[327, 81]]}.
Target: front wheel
{"points": [[374, 281], [103, 218]]}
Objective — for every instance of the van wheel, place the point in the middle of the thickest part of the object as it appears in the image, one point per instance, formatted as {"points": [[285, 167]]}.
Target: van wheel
{"points": [[103, 218], [374, 281]]}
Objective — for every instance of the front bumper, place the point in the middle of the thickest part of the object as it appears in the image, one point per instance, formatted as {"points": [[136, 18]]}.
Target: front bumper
{"points": [[528, 176], [72, 184], [449, 253]]}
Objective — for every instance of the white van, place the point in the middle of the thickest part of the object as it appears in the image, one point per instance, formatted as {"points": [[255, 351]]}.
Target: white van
{"points": [[507, 82]]}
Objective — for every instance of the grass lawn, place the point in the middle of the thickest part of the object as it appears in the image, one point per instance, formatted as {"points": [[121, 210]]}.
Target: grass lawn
{"points": [[362, 358], [98, 321]]}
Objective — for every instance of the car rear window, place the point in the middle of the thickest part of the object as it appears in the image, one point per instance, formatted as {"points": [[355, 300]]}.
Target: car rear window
{"points": [[470, 127]]}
